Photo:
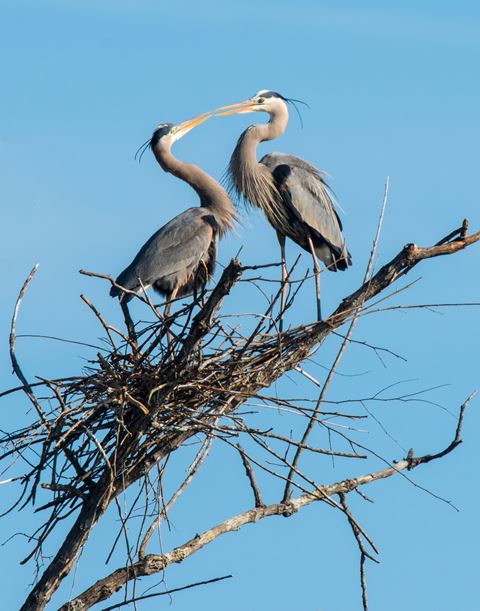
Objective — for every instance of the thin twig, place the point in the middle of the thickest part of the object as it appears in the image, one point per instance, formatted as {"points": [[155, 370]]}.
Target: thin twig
{"points": [[16, 367], [251, 477], [167, 592], [343, 347], [364, 554], [153, 563]]}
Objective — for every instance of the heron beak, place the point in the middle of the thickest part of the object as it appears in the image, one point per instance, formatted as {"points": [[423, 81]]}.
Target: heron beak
{"points": [[235, 109], [186, 126], [191, 123]]}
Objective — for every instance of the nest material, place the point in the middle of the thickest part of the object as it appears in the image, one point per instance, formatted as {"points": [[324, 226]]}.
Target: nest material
{"points": [[144, 398]]}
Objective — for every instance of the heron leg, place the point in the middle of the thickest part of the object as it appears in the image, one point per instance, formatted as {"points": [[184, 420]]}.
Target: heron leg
{"points": [[203, 284], [128, 322], [281, 240], [316, 268], [166, 315]]}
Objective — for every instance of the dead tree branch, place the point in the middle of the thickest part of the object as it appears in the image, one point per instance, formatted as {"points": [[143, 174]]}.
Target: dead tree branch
{"points": [[251, 477], [153, 563], [16, 367], [137, 404]]}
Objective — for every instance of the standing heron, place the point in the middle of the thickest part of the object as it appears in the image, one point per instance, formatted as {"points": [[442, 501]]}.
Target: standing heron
{"points": [[179, 259], [292, 193]]}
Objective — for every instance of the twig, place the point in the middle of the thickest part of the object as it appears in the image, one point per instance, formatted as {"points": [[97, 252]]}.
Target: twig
{"points": [[154, 563], [195, 466], [171, 591], [343, 347], [364, 554], [251, 477], [16, 367], [415, 461], [129, 324], [202, 322], [184, 397]]}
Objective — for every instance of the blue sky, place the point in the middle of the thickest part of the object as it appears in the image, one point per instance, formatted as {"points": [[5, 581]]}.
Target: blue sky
{"points": [[393, 89]]}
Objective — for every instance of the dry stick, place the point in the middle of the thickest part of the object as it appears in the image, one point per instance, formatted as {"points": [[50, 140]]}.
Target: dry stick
{"points": [[195, 466], [420, 306], [376, 349], [359, 530], [113, 283], [103, 322], [202, 322], [363, 551], [167, 592], [457, 440], [31, 385], [289, 441], [64, 559], [253, 334], [16, 367], [129, 324], [462, 231], [331, 373], [268, 449], [150, 303], [123, 522], [154, 563], [251, 477]]}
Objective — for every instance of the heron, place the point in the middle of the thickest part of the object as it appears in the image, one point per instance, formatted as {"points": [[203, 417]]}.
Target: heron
{"points": [[293, 194], [179, 258]]}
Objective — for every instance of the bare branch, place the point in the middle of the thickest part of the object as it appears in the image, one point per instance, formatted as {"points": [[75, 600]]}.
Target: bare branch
{"points": [[194, 467], [141, 402], [166, 592], [16, 367], [340, 353], [203, 321], [364, 554], [154, 563], [251, 477]]}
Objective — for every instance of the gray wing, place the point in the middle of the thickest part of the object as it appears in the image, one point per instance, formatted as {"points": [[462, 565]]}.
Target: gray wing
{"points": [[173, 253], [306, 195]]}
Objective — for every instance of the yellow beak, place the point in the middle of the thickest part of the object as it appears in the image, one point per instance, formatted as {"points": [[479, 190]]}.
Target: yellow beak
{"points": [[234, 109], [186, 126]]}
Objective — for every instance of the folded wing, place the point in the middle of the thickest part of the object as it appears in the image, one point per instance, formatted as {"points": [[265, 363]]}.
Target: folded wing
{"points": [[182, 253], [309, 207]]}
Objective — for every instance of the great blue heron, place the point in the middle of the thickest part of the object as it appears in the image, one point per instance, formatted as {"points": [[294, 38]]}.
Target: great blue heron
{"points": [[292, 193], [180, 257]]}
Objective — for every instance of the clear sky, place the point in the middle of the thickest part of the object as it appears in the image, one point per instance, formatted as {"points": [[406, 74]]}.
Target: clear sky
{"points": [[393, 89]]}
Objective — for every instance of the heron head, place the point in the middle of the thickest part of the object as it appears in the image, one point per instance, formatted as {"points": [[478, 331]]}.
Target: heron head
{"points": [[263, 101], [170, 133], [161, 131], [167, 133]]}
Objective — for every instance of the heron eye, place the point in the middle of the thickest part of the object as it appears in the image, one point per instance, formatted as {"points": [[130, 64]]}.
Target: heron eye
{"points": [[260, 100]]}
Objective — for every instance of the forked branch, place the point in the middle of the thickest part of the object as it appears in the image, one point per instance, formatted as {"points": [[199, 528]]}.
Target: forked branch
{"points": [[140, 405], [154, 563]]}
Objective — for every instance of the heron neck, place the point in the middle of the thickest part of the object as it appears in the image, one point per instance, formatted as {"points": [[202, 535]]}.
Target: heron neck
{"points": [[252, 136], [211, 194], [275, 126], [252, 181]]}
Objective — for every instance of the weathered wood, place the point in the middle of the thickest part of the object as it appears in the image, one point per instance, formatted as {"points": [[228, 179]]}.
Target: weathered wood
{"points": [[241, 373]]}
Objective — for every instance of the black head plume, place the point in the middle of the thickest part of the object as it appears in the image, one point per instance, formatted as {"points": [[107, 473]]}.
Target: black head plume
{"points": [[162, 130], [292, 101]]}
